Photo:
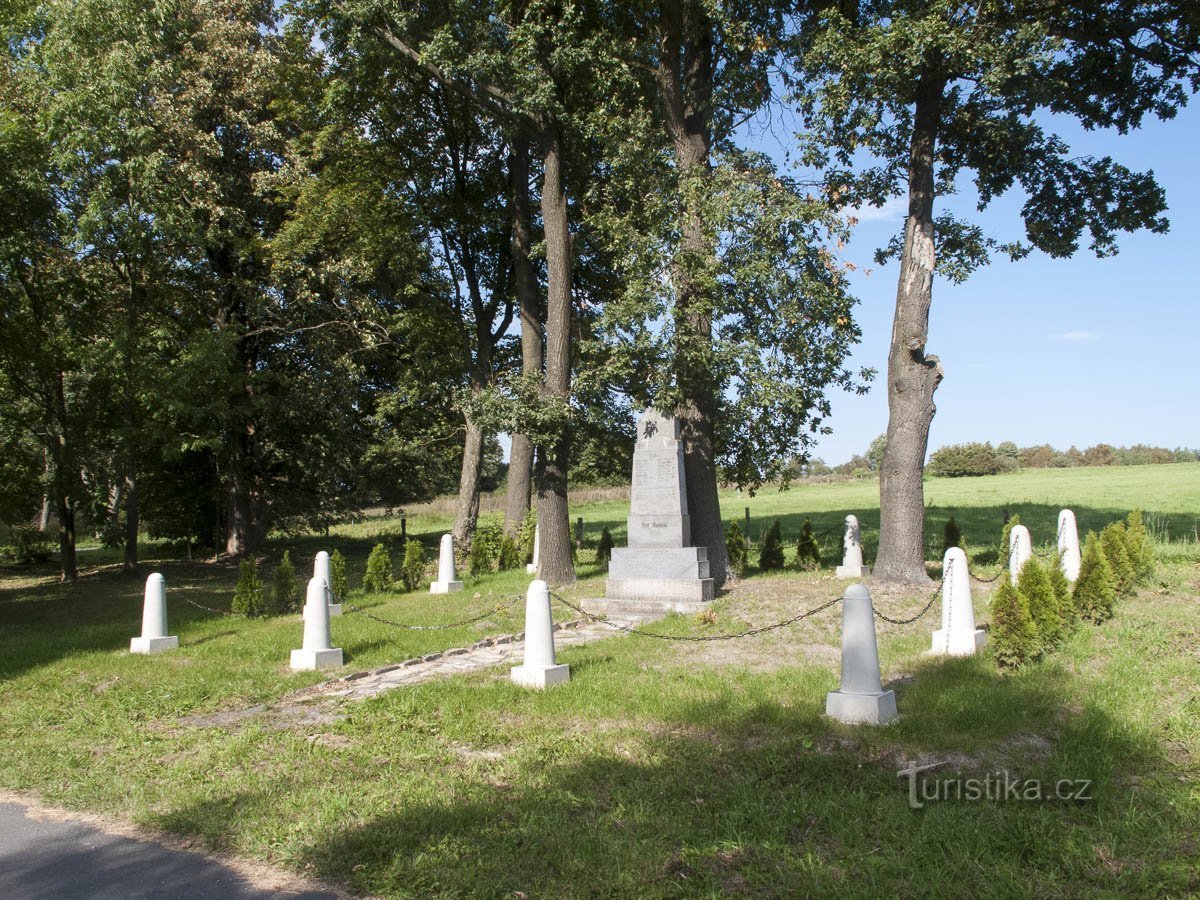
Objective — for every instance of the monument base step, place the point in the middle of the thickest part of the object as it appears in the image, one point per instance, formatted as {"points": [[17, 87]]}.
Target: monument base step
{"points": [[445, 587], [308, 660], [667, 563], [959, 644], [861, 709], [153, 645], [540, 677], [661, 594]]}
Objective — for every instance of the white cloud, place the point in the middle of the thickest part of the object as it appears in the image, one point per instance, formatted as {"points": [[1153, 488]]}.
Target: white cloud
{"points": [[896, 208], [1076, 336]]}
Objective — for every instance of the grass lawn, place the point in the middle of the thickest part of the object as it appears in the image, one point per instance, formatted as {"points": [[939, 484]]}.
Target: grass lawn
{"points": [[661, 769]]}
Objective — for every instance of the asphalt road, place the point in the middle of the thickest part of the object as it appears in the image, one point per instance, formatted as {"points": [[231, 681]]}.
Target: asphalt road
{"points": [[67, 860]]}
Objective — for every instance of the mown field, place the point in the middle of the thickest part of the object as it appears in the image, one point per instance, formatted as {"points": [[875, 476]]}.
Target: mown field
{"points": [[662, 768]]}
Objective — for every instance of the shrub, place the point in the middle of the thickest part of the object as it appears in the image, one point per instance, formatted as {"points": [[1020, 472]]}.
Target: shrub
{"points": [[1141, 548], [1114, 545], [527, 535], [951, 535], [1068, 615], [770, 557], [1013, 637], [412, 569], [735, 547], [284, 592], [1033, 584], [29, 544], [248, 595], [808, 553], [1006, 537], [337, 575], [964, 460], [604, 548], [378, 577], [485, 548], [1094, 593], [510, 554]]}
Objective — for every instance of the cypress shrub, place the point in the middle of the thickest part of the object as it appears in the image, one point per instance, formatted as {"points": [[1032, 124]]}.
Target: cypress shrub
{"points": [[527, 535], [378, 577], [951, 535], [735, 547], [1013, 637], [510, 554], [808, 553], [248, 595], [1005, 537], [284, 591], [770, 557], [337, 575], [1141, 548], [604, 548], [1033, 584], [1115, 547], [412, 568], [1094, 593], [485, 548], [1068, 615]]}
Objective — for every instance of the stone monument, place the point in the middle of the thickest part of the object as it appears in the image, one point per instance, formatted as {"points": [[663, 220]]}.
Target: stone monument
{"points": [[447, 582], [154, 637], [659, 564], [861, 698], [852, 555], [1020, 548], [540, 668], [316, 652], [958, 635], [1068, 545], [321, 570]]}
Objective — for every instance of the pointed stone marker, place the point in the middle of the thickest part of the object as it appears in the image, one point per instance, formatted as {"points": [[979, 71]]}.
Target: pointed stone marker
{"points": [[154, 637], [446, 583], [958, 635], [1068, 545], [539, 669], [321, 570], [861, 698], [531, 568], [1020, 548], [852, 556], [316, 652]]}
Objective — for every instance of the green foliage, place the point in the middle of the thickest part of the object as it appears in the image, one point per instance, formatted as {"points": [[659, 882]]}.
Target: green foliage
{"points": [[770, 557], [485, 547], [527, 535], [378, 577], [1013, 636], [964, 460], [1068, 614], [951, 535], [285, 594], [412, 568], [510, 554], [808, 552], [1095, 590], [604, 548], [29, 545], [1006, 538], [1037, 593], [735, 547], [337, 574], [1141, 548], [248, 594], [1114, 544]]}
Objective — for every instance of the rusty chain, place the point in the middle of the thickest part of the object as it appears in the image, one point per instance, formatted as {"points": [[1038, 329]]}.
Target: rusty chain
{"points": [[936, 593], [496, 610]]}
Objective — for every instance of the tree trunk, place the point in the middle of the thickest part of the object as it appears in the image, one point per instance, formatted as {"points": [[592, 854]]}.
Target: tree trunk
{"points": [[130, 410], [132, 520], [685, 80], [555, 565], [466, 510], [44, 516], [239, 517], [64, 496], [520, 457], [912, 376]]}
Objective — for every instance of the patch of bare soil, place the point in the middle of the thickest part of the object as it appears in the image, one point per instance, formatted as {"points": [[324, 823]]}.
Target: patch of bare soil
{"points": [[295, 711]]}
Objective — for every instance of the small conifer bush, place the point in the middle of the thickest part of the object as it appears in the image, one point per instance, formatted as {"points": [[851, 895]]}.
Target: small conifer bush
{"points": [[378, 577], [808, 553], [1033, 584], [248, 594], [412, 569], [337, 574], [770, 557], [951, 535], [1013, 636], [485, 548], [1094, 595], [1115, 547], [1068, 614], [604, 548], [284, 591], [735, 547], [510, 554], [1141, 548]]}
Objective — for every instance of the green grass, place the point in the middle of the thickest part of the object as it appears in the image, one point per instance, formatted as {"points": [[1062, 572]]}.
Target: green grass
{"points": [[661, 769]]}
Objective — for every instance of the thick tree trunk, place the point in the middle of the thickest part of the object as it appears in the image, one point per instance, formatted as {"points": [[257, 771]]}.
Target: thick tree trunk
{"points": [[466, 509], [44, 515], [239, 514], [912, 376], [520, 457], [554, 555], [63, 480], [685, 79], [132, 521], [130, 410]]}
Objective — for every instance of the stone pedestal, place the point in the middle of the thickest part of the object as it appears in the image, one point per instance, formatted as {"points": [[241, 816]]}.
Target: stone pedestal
{"points": [[958, 635], [540, 668], [1020, 549], [154, 637], [861, 698], [852, 555], [316, 652], [447, 582], [659, 564], [1068, 545], [321, 570]]}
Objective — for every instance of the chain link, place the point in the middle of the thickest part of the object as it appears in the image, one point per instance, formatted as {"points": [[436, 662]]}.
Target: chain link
{"points": [[693, 638], [216, 612], [497, 610], [936, 593]]}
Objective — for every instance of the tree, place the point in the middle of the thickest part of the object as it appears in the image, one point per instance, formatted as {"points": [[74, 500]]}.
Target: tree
{"points": [[934, 89], [875, 453], [378, 577], [1014, 638], [770, 556]]}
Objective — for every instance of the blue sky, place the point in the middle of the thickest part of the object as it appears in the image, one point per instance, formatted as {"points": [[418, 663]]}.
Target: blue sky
{"points": [[1076, 351]]}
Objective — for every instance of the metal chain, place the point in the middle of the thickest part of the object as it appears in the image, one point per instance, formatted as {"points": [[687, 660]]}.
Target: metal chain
{"points": [[936, 593], [693, 638], [217, 612], [497, 610], [995, 577]]}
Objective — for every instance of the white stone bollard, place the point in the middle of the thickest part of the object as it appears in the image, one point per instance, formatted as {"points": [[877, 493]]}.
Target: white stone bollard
{"points": [[446, 583], [1020, 548], [154, 637], [1068, 545], [531, 568], [861, 698], [539, 669], [316, 652], [958, 635], [852, 558], [321, 570]]}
